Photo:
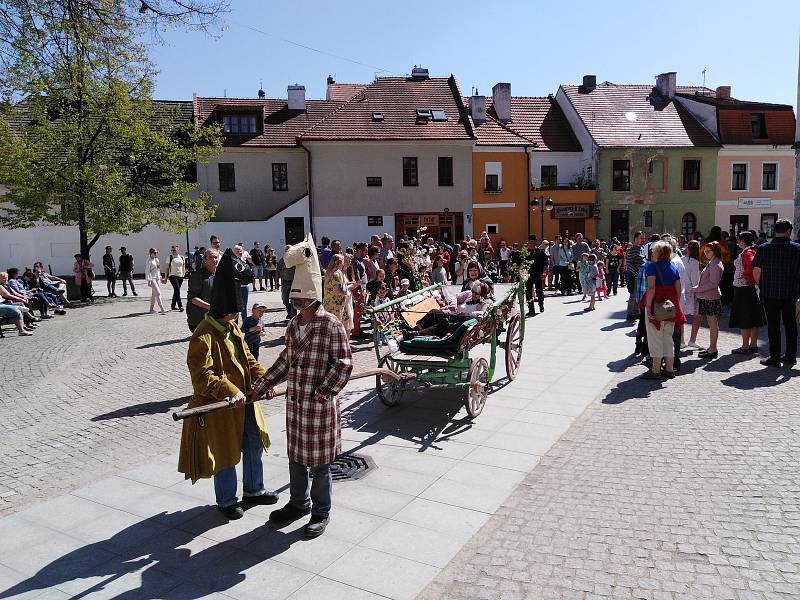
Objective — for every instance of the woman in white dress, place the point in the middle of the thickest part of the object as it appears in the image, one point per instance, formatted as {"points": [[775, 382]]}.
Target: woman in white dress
{"points": [[152, 275], [691, 260]]}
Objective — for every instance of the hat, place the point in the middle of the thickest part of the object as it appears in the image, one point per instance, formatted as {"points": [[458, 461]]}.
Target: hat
{"points": [[405, 282], [226, 293], [123, 248], [108, 247], [307, 282], [259, 305]]}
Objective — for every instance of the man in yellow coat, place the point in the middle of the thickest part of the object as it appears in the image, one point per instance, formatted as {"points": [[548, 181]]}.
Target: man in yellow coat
{"points": [[221, 365]]}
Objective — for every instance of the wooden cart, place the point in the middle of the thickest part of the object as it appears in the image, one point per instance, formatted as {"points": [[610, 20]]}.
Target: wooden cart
{"points": [[430, 369]]}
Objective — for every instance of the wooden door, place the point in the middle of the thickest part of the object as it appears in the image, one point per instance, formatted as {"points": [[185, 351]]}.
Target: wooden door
{"points": [[569, 227], [294, 229]]}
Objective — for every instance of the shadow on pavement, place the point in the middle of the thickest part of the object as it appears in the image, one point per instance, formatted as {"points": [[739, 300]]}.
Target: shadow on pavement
{"points": [[618, 325], [752, 380], [631, 389], [426, 419], [154, 548], [129, 315], [163, 343], [146, 408]]}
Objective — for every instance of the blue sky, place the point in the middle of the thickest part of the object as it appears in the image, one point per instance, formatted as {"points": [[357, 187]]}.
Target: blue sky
{"points": [[535, 45]]}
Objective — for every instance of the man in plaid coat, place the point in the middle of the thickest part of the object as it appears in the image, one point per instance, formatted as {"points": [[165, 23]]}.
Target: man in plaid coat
{"points": [[316, 363]]}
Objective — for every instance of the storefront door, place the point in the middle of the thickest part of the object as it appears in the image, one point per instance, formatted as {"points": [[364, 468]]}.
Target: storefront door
{"points": [[569, 227]]}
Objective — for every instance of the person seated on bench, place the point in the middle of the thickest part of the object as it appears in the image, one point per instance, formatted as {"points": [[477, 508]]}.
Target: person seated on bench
{"points": [[14, 314]]}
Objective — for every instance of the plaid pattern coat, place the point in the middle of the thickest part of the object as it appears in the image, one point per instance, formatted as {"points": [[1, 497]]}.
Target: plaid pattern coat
{"points": [[316, 365]]}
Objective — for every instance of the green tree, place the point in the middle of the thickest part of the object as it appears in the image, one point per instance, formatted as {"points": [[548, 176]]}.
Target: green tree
{"points": [[81, 140]]}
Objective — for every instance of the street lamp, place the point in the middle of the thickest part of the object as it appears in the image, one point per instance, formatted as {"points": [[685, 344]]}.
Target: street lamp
{"points": [[545, 203]]}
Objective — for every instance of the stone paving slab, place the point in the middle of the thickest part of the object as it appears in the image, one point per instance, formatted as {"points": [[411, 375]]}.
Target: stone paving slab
{"points": [[685, 489], [142, 532]]}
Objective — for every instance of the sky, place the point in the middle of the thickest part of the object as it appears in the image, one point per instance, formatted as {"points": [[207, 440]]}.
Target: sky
{"points": [[535, 45]]}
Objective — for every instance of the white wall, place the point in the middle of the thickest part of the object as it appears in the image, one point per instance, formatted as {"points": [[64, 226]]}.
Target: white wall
{"points": [[589, 155], [568, 165], [705, 113], [56, 245], [350, 229]]}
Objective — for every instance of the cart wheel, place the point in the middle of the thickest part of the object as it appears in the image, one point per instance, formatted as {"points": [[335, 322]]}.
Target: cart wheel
{"points": [[513, 347], [478, 389], [389, 390]]}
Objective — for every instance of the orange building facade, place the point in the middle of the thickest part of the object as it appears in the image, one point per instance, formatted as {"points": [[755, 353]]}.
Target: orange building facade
{"points": [[505, 211]]}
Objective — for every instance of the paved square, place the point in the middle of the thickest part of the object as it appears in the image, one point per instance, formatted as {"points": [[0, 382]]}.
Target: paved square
{"points": [[686, 489]]}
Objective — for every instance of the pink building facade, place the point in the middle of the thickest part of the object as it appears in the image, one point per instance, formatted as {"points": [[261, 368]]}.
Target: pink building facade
{"points": [[755, 187]]}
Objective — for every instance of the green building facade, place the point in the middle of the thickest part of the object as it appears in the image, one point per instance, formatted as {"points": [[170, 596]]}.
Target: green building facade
{"points": [[663, 190]]}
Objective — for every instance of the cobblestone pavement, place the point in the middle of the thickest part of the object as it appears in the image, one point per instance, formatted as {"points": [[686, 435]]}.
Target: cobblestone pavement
{"points": [[687, 489], [89, 394]]}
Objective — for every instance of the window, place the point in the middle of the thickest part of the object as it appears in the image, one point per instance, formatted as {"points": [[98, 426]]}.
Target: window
{"points": [[438, 114], [227, 177], [374, 181], [589, 174], [621, 176], [423, 115], [769, 177], [239, 123], [758, 124], [691, 174], [492, 229], [768, 224], [648, 218], [493, 176], [688, 224], [377, 116], [280, 177], [445, 170], [655, 175], [410, 172], [739, 176], [739, 223], [549, 175]]}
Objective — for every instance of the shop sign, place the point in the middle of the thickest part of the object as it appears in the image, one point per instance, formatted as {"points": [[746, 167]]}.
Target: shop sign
{"points": [[755, 203], [572, 211], [429, 220]]}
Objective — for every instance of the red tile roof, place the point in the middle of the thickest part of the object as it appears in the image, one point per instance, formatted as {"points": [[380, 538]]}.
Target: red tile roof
{"points": [[735, 127], [281, 126], [534, 120], [659, 122], [342, 92], [397, 98]]}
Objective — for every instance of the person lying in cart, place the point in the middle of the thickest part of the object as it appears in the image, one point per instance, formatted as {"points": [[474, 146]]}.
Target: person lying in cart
{"points": [[463, 307]]}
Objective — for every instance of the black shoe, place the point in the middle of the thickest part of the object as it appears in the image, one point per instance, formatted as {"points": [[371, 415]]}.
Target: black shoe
{"points": [[771, 362], [266, 498], [667, 374], [788, 362], [288, 514], [125, 294], [316, 526], [135, 294], [46, 317], [60, 311], [541, 308], [232, 512], [708, 355]]}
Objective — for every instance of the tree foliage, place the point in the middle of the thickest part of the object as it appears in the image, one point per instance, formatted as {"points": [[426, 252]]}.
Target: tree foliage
{"points": [[81, 140]]}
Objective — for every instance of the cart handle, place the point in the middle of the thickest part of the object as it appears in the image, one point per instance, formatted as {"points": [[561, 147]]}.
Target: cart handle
{"points": [[229, 403]]}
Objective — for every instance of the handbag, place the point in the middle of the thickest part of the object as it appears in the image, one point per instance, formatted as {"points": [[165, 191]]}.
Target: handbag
{"points": [[666, 310]]}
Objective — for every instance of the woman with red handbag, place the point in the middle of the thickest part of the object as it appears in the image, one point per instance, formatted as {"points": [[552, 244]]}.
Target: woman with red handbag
{"points": [[662, 310]]}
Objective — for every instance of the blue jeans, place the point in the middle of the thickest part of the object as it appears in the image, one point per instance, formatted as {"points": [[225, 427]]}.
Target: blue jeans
{"points": [[286, 286], [253, 471], [245, 296], [320, 497]]}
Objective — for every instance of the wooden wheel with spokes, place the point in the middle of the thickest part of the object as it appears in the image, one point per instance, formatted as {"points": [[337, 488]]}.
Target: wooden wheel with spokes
{"points": [[476, 392], [513, 347], [389, 390]]}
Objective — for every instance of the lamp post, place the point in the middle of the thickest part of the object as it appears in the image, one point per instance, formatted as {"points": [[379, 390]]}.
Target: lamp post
{"points": [[543, 203]]}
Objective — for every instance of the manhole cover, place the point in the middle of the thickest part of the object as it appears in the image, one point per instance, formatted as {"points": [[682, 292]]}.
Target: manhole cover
{"points": [[351, 466]]}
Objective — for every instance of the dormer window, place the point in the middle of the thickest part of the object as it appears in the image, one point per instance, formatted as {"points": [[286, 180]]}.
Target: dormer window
{"points": [[423, 115], [377, 117], [758, 123], [239, 123]]}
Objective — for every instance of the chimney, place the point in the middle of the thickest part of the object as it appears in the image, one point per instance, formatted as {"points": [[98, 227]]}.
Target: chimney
{"points": [[297, 97], [724, 92], [666, 83], [501, 98], [477, 109], [589, 83], [419, 73]]}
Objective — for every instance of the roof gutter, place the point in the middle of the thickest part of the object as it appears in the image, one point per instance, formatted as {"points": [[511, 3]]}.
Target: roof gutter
{"points": [[310, 187]]}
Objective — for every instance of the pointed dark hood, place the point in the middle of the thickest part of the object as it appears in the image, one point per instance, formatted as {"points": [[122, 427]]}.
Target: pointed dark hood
{"points": [[226, 295]]}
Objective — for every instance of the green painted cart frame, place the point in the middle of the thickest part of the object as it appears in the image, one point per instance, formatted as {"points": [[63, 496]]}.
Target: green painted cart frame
{"points": [[425, 370]]}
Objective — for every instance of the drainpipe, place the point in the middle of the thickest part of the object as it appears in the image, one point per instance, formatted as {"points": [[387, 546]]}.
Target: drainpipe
{"points": [[528, 191], [310, 204]]}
